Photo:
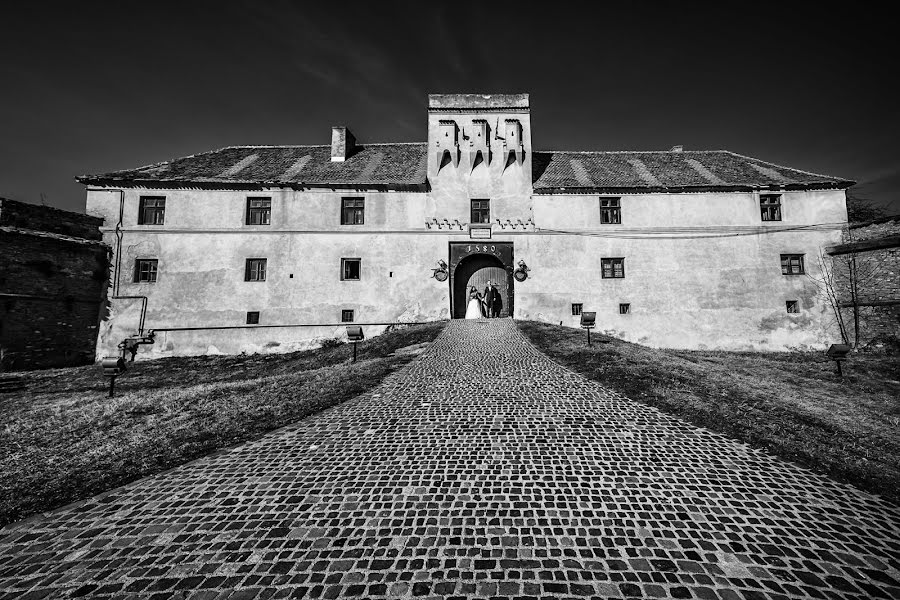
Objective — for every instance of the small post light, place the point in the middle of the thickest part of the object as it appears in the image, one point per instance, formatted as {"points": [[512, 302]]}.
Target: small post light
{"points": [[113, 366], [838, 353], [588, 319], [355, 335]]}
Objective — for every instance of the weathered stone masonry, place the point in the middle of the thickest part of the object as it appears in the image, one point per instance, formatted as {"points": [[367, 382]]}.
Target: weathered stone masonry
{"points": [[876, 250], [53, 277]]}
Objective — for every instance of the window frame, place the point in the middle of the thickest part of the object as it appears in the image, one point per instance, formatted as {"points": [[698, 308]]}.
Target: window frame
{"points": [[252, 317], [258, 210], [344, 262], [612, 262], [345, 312], [766, 206], [786, 267], [484, 212], [612, 210], [349, 213], [577, 308], [248, 269], [158, 210], [624, 308], [152, 273]]}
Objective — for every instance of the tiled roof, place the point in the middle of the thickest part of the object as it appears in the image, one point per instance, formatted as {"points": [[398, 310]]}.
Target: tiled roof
{"points": [[376, 164], [405, 165], [715, 169]]}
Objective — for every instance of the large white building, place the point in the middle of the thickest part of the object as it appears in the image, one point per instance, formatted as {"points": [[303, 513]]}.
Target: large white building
{"points": [[270, 248]]}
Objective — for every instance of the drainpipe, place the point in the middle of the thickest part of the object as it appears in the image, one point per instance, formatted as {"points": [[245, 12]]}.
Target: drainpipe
{"points": [[117, 270]]}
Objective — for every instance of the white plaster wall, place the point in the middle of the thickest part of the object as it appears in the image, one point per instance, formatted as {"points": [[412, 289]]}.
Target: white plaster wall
{"points": [[725, 292]]}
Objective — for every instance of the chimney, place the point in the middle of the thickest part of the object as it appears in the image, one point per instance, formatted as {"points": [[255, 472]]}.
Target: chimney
{"points": [[678, 148], [342, 144]]}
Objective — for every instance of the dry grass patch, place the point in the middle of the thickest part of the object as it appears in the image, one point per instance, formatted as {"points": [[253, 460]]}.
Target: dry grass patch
{"points": [[63, 440], [791, 404]]}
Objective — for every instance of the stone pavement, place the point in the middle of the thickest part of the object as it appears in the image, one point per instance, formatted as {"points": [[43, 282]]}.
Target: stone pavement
{"points": [[481, 470]]}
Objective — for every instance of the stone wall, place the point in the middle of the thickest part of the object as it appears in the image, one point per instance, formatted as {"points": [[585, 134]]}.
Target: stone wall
{"points": [[878, 275], [52, 287], [46, 218]]}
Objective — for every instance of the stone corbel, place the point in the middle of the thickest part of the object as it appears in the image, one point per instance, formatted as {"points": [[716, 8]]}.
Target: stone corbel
{"points": [[454, 157]]}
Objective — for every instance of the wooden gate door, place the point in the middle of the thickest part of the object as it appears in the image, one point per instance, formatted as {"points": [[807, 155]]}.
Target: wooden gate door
{"points": [[478, 270]]}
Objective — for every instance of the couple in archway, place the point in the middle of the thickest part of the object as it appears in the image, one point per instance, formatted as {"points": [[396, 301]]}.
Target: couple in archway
{"points": [[484, 304]]}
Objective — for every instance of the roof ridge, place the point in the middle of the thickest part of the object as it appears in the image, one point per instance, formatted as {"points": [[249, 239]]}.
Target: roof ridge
{"points": [[630, 151], [319, 145], [771, 164]]}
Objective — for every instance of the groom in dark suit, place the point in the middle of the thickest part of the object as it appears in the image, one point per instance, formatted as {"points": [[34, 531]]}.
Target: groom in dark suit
{"points": [[496, 302], [492, 301], [488, 299]]}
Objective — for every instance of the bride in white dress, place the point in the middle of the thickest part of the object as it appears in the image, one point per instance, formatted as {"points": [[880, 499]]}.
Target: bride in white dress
{"points": [[474, 308]]}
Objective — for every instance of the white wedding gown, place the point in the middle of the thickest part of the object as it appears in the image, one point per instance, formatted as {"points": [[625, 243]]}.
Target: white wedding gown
{"points": [[473, 309]]}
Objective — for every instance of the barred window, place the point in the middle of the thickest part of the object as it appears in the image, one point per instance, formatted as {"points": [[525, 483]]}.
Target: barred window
{"points": [[481, 211], [792, 264], [610, 211], [152, 210], [576, 309], [253, 317], [350, 268], [624, 308], [793, 306], [353, 211], [770, 207], [612, 268], [346, 316], [259, 211], [255, 269], [145, 270]]}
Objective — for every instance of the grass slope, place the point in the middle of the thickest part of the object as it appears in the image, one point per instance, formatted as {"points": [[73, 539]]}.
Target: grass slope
{"points": [[63, 440], [791, 404]]}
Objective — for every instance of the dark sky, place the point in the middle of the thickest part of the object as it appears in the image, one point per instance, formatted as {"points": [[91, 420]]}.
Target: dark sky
{"points": [[93, 88]]}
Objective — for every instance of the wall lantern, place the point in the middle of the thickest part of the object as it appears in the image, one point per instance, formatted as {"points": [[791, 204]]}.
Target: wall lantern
{"points": [[113, 366], [521, 274], [838, 353], [588, 319], [354, 335], [440, 273]]}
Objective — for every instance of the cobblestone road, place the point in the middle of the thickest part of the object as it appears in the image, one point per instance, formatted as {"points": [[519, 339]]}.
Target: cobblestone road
{"points": [[485, 470]]}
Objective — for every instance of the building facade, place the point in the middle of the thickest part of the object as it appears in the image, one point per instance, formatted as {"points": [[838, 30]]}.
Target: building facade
{"points": [[53, 277], [272, 248]]}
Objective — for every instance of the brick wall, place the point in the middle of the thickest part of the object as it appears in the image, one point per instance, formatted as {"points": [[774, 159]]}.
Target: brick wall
{"points": [[879, 282], [52, 289], [44, 218]]}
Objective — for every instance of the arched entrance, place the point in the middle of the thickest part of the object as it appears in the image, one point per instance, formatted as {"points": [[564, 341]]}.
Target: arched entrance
{"points": [[475, 265]]}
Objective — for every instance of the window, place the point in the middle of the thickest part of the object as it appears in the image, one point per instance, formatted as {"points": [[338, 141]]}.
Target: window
{"points": [[792, 264], [253, 317], [576, 309], [145, 270], [152, 210], [259, 211], [353, 211], [481, 211], [255, 269], [792, 306], [624, 308], [350, 269], [770, 207], [610, 211], [613, 268], [346, 316]]}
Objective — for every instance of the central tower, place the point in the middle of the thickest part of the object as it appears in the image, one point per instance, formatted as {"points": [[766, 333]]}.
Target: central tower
{"points": [[479, 147]]}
